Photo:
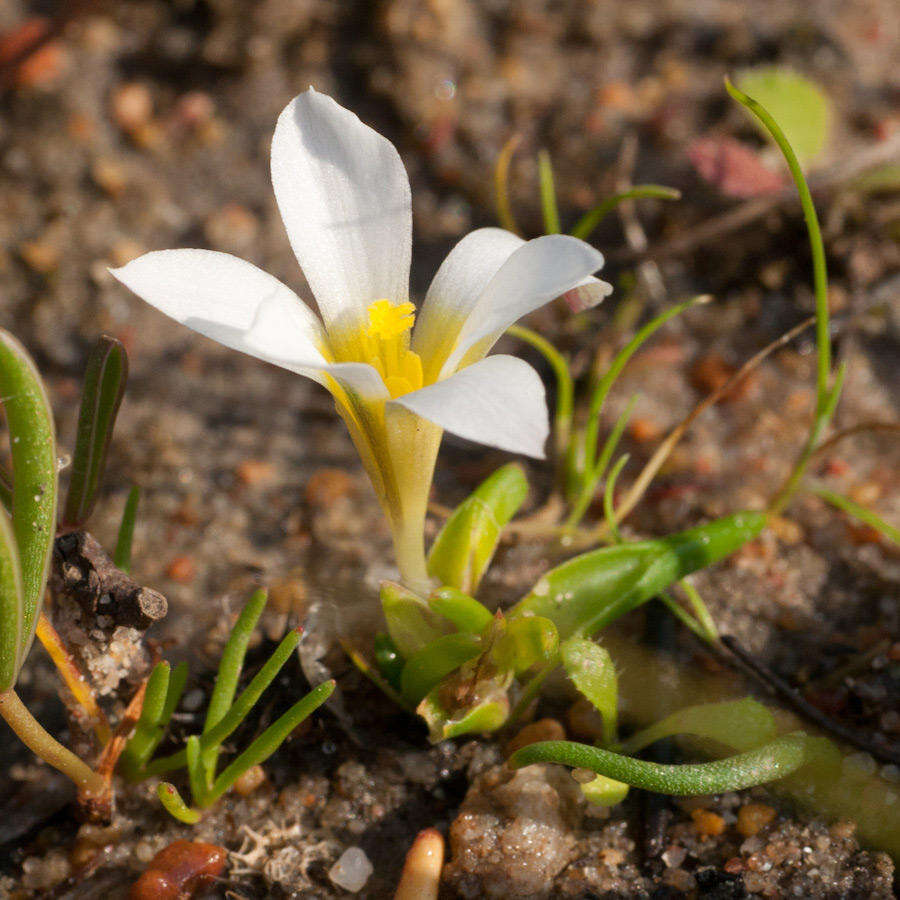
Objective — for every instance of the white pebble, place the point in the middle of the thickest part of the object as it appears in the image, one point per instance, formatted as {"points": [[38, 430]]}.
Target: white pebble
{"points": [[352, 870]]}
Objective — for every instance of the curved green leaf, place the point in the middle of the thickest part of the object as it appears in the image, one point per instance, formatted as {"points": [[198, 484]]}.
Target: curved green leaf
{"points": [[410, 622], [589, 591], [104, 386], [767, 763], [465, 612], [32, 435], [592, 672], [741, 724], [465, 545], [11, 604], [426, 668]]}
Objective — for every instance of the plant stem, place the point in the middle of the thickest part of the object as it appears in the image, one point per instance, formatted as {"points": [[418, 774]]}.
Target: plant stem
{"points": [[591, 219], [33, 735]]}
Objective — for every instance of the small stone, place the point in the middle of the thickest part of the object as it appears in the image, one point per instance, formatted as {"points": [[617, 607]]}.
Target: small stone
{"points": [[734, 866], [255, 471], [352, 870], [40, 256], [182, 569], [707, 823], [110, 176], [132, 106], [541, 730], [674, 856], [325, 486], [644, 430], [753, 818], [250, 781], [712, 372], [232, 228], [679, 880]]}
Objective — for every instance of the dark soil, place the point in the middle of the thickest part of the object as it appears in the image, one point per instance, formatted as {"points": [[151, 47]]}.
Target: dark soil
{"points": [[145, 125]]}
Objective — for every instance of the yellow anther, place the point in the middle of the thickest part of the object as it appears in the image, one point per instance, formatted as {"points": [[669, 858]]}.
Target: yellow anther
{"points": [[388, 321], [386, 346]]}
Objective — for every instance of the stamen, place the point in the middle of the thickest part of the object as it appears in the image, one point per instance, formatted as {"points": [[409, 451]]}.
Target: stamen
{"points": [[386, 346]]}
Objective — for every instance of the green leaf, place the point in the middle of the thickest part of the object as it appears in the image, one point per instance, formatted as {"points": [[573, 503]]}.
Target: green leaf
{"points": [[104, 386], [174, 805], [549, 206], [603, 791], [796, 102], [760, 766], [389, 661], [122, 555], [585, 594], [270, 740], [230, 665], [148, 731], [29, 419], [740, 724], [483, 716], [465, 545], [524, 642], [426, 668], [465, 612], [11, 604], [592, 672], [591, 219], [410, 622]]}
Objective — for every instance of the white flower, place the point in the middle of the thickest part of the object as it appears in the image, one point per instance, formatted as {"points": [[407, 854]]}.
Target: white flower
{"points": [[344, 197]]}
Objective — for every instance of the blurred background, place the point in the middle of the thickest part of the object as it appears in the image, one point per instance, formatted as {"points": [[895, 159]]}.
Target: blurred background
{"points": [[136, 125]]}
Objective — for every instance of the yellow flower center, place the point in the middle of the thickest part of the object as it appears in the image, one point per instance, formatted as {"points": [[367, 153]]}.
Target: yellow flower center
{"points": [[386, 346]]}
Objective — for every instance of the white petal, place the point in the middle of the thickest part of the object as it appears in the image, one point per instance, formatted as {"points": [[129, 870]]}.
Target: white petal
{"points": [[538, 272], [238, 305], [455, 289], [344, 197], [587, 294], [499, 401]]}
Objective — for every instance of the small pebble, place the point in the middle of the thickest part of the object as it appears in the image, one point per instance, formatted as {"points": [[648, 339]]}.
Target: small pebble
{"points": [[708, 824], [132, 106], [325, 486], [352, 870], [753, 818], [182, 569], [541, 730], [250, 781]]}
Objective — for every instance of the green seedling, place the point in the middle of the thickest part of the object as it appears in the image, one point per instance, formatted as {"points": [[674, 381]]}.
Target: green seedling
{"points": [[224, 714]]}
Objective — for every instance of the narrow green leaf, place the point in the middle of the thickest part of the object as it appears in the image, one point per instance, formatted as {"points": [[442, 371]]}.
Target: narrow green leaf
{"points": [[592, 672], [463, 549], [845, 504], [760, 766], [196, 770], [104, 386], [271, 739], [230, 665], [739, 724], [501, 185], [598, 398], [125, 540], [523, 642], [177, 682], [608, 495], [465, 612], [441, 657], [29, 419], [6, 491], [549, 206], [11, 604], [589, 591], [175, 806], [797, 102], [592, 218], [409, 619], [148, 731]]}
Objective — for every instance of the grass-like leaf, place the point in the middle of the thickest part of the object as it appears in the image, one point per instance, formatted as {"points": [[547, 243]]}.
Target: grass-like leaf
{"points": [[29, 420], [11, 604], [125, 539], [760, 766], [593, 217], [549, 206], [104, 386], [845, 504]]}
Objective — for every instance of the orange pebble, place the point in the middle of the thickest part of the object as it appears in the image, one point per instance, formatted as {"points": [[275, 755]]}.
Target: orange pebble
{"points": [[754, 817], [707, 823], [180, 870]]}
